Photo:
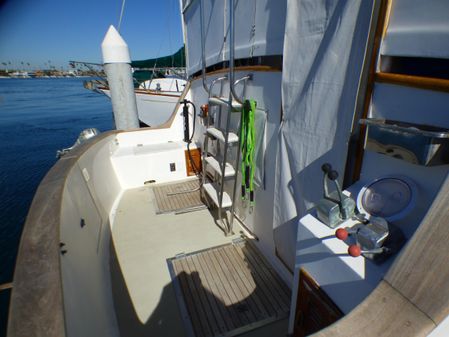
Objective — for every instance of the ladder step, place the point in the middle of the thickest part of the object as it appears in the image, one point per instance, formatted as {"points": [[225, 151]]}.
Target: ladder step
{"points": [[213, 194], [232, 138], [224, 101], [229, 170]]}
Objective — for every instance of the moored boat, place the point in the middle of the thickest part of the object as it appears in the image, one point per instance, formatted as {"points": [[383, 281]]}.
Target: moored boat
{"points": [[156, 99], [159, 84]]}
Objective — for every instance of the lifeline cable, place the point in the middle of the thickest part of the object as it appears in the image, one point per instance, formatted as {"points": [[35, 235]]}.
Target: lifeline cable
{"points": [[248, 141]]}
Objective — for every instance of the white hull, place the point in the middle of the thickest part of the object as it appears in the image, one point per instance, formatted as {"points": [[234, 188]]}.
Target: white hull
{"points": [[154, 108], [156, 99]]}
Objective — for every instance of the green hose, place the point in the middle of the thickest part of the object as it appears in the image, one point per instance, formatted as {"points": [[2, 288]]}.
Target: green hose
{"points": [[248, 144]]}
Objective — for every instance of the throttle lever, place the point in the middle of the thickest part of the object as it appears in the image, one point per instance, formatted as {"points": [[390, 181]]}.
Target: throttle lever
{"points": [[355, 250], [334, 207], [326, 168], [343, 233]]}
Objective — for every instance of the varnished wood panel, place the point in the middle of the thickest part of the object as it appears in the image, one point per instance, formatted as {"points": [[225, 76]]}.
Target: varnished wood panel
{"points": [[5, 286], [230, 289], [427, 83], [421, 272], [260, 68], [384, 313], [196, 158], [356, 147], [314, 309]]}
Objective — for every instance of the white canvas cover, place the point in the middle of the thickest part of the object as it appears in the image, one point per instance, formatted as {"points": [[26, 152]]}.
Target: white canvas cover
{"points": [[259, 30], [324, 49], [418, 28]]}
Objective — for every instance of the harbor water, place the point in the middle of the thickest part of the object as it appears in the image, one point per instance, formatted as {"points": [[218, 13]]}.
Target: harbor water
{"points": [[37, 118]]}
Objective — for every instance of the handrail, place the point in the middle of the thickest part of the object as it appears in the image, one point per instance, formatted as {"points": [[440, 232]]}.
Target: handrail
{"points": [[248, 77], [231, 52], [420, 82], [203, 48], [244, 78], [218, 79], [6, 286]]}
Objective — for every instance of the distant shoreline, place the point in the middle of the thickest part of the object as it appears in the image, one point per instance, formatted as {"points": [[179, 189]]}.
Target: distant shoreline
{"points": [[44, 77]]}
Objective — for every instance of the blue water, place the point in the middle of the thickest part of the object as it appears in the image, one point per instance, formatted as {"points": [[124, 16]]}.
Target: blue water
{"points": [[37, 117]]}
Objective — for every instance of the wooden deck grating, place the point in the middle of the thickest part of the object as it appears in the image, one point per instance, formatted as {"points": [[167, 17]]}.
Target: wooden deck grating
{"points": [[172, 203], [228, 290]]}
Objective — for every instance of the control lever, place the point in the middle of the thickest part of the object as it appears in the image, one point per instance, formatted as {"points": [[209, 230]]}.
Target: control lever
{"points": [[334, 207], [370, 236], [355, 250], [343, 233]]}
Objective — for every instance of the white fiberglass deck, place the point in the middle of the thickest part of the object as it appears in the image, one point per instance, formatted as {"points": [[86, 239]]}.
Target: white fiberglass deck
{"points": [[142, 242]]}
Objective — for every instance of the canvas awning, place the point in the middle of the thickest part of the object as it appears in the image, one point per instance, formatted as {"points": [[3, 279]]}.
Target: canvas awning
{"points": [[176, 60]]}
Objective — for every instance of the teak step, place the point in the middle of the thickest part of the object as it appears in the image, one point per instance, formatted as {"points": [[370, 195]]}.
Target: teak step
{"points": [[229, 170], [232, 138], [223, 101], [213, 194]]}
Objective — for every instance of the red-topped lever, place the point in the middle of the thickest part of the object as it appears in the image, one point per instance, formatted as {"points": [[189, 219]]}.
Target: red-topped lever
{"points": [[342, 234], [355, 250]]}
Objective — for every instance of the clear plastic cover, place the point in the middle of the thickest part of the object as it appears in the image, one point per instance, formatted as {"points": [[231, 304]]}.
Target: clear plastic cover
{"points": [[387, 197]]}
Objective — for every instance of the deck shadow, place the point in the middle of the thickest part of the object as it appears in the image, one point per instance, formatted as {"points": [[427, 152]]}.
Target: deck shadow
{"points": [[252, 296], [228, 290]]}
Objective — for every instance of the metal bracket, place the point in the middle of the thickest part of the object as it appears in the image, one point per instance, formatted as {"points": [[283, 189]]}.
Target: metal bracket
{"points": [[180, 255]]}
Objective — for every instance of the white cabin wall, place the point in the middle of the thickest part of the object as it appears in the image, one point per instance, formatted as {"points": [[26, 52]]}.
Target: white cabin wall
{"points": [[418, 28], [89, 197], [265, 88], [137, 156]]}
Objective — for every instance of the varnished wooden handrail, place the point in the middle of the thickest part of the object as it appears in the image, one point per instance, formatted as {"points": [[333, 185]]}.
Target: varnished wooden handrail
{"points": [[255, 68], [356, 149], [5, 286], [427, 83]]}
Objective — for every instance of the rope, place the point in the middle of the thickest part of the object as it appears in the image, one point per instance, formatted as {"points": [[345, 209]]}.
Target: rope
{"points": [[121, 15], [248, 144]]}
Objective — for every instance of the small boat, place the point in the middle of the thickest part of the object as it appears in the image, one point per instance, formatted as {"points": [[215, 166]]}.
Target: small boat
{"points": [[299, 187], [159, 84], [19, 74], [156, 99]]}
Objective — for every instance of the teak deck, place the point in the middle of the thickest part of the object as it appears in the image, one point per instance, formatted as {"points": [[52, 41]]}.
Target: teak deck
{"points": [[168, 201], [228, 290]]}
